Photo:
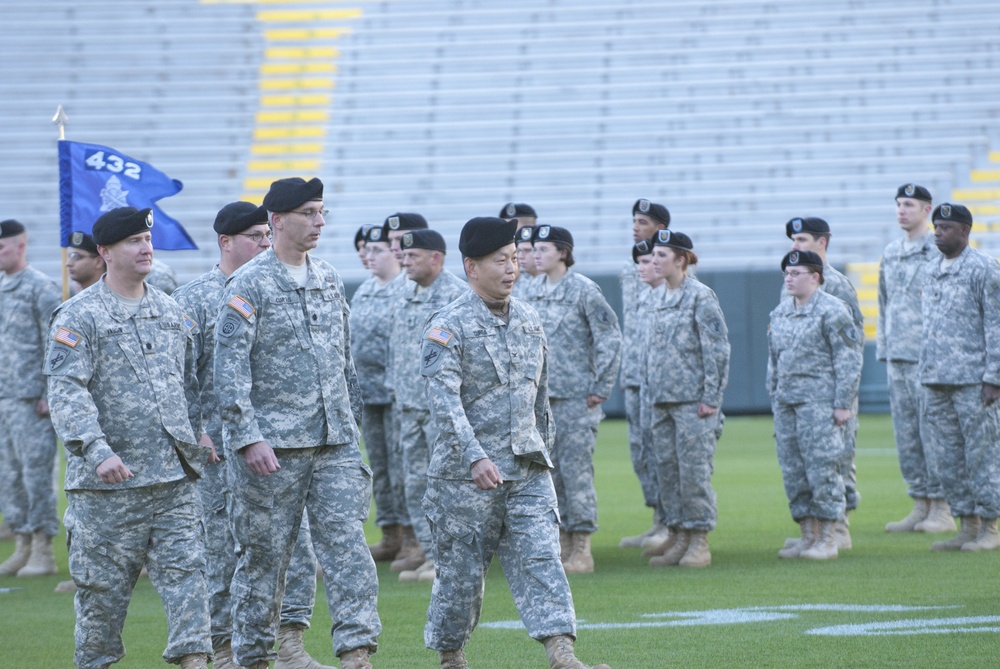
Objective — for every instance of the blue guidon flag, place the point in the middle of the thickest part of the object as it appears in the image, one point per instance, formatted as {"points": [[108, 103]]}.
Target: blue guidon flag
{"points": [[95, 179]]}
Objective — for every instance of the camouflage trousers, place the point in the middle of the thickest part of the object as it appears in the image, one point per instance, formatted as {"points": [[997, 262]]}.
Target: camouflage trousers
{"points": [[573, 463], [333, 486], [517, 522], [220, 557], [684, 448], [848, 467], [27, 468], [385, 457], [416, 434], [810, 452], [965, 442], [110, 536], [643, 462], [906, 401]]}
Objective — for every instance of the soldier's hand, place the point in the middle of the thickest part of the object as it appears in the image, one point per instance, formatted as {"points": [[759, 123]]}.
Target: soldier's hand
{"points": [[261, 459], [704, 410], [206, 442], [113, 470], [594, 400], [841, 416], [991, 394], [485, 474], [42, 407]]}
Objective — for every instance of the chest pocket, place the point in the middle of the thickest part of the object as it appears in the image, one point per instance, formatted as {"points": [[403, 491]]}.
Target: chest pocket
{"points": [[526, 353], [123, 355], [490, 366]]}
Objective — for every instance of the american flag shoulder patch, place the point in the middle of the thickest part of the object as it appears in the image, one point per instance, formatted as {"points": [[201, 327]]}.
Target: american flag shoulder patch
{"points": [[68, 337], [442, 337], [242, 307], [189, 322]]}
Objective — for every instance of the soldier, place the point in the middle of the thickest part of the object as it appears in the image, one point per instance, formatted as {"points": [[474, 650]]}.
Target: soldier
{"points": [[586, 345], [647, 218], [27, 440], [901, 277], [243, 234], [399, 224], [523, 213], [290, 403], [360, 243], [489, 490], [124, 399], [525, 261], [83, 263], [813, 373], [686, 368], [371, 324], [960, 370], [813, 234], [430, 288]]}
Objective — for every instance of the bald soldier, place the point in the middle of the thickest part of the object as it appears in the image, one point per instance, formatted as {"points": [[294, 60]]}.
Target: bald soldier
{"points": [[489, 490]]}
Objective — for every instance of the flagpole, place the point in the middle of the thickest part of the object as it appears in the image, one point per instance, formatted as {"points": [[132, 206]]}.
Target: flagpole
{"points": [[60, 120]]}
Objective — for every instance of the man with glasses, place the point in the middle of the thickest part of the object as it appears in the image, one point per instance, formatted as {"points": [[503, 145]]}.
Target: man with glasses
{"points": [[291, 405], [83, 263]]}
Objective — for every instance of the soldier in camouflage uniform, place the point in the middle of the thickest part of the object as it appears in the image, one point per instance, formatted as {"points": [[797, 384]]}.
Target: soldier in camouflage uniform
{"points": [[525, 261], [124, 399], [813, 234], [586, 344], [431, 287], [489, 490], [900, 281], [960, 369], [813, 373], [647, 218], [243, 234], [371, 324], [83, 263], [290, 403], [27, 440], [686, 368], [361, 243]]}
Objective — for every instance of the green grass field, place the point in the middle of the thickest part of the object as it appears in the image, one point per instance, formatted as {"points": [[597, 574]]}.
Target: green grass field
{"points": [[889, 602]]}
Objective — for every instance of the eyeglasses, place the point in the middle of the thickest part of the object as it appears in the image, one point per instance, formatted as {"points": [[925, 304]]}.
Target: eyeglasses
{"points": [[80, 256], [792, 274], [312, 213], [255, 237]]}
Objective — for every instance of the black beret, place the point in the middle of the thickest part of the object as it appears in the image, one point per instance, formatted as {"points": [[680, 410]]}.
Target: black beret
{"points": [[914, 191], [655, 211], [10, 227], [404, 221], [82, 241], [673, 239], [526, 234], [376, 233], [289, 194], [952, 212], [517, 210], [423, 239], [120, 223], [483, 235], [642, 248], [809, 224], [236, 217], [551, 233], [361, 235], [802, 259]]}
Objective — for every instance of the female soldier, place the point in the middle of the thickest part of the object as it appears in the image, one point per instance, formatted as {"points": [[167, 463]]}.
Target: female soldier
{"points": [[584, 355], [813, 373], [686, 370]]}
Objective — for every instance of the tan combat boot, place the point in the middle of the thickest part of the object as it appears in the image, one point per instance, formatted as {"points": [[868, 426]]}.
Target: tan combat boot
{"points": [[988, 539], [414, 575], [453, 659], [676, 551], [921, 506], [194, 661], [968, 533], [66, 586], [939, 518], [824, 546], [580, 561], [636, 541], [223, 656], [355, 659], [665, 543], [660, 534], [42, 561], [22, 552], [291, 653], [388, 546], [697, 554], [559, 650], [410, 555], [842, 533], [793, 547]]}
